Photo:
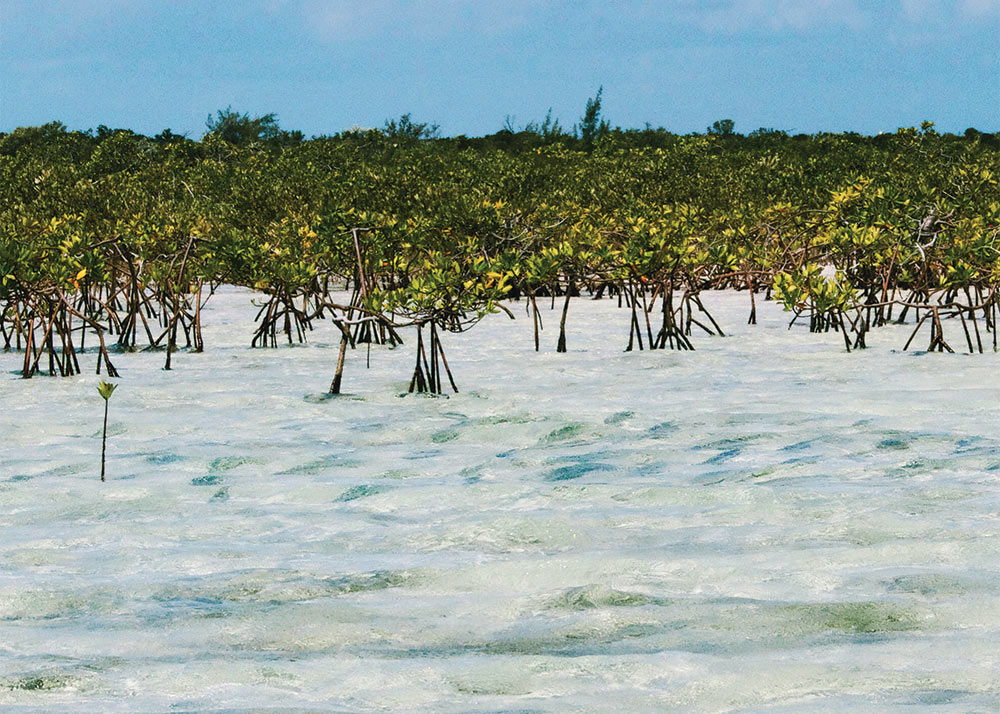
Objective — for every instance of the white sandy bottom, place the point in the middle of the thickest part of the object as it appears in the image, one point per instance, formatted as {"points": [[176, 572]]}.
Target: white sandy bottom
{"points": [[767, 524]]}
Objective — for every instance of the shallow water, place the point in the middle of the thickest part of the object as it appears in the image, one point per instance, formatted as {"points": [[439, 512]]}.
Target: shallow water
{"points": [[767, 524]]}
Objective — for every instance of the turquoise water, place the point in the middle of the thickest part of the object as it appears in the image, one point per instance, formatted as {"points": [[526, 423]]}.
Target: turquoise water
{"points": [[767, 524]]}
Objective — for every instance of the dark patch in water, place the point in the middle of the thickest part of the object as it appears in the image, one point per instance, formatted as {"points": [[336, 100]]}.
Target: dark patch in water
{"points": [[227, 463], [444, 436], [927, 584], [618, 417], [589, 597], [183, 607], [163, 458], [723, 456], [320, 397], [38, 683], [505, 419], [216, 598], [208, 480], [426, 395], [568, 643], [800, 460], [937, 697], [862, 617], [317, 465], [893, 443], [64, 470], [423, 454], [572, 471], [712, 479], [663, 429], [370, 582], [729, 442], [563, 433], [221, 496], [356, 492], [585, 458]]}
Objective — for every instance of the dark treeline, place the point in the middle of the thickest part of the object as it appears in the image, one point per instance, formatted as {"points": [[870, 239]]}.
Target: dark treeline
{"points": [[589, 134], [113, 240]]}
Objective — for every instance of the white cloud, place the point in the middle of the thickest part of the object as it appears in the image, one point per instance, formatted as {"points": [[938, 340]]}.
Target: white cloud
{"points": [[738, 16], [918, 11], [979, 8], [939, 11], [921, 22], [347, 19]]}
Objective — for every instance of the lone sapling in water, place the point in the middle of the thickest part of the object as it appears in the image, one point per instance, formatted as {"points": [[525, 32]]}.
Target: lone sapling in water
{"points": [[106, 389]]}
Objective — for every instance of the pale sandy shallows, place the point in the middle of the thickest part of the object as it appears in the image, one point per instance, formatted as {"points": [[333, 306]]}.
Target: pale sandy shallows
{"points": [[767, 524]]}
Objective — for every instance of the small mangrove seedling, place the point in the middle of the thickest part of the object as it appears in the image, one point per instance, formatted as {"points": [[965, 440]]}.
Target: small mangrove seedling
{"points": [[106, 389]]}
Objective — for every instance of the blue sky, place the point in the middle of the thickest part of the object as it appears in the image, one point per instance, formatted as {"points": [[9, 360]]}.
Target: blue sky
{"points": [[326, 65]]}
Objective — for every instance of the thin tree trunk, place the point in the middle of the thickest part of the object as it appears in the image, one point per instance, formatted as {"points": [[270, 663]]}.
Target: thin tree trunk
{"points": [[561, 346], [104, 438], [339, 374]]}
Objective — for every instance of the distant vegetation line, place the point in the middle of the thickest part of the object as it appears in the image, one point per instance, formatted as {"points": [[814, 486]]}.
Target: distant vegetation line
{"points": [[591, 130], [110, 240]]}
